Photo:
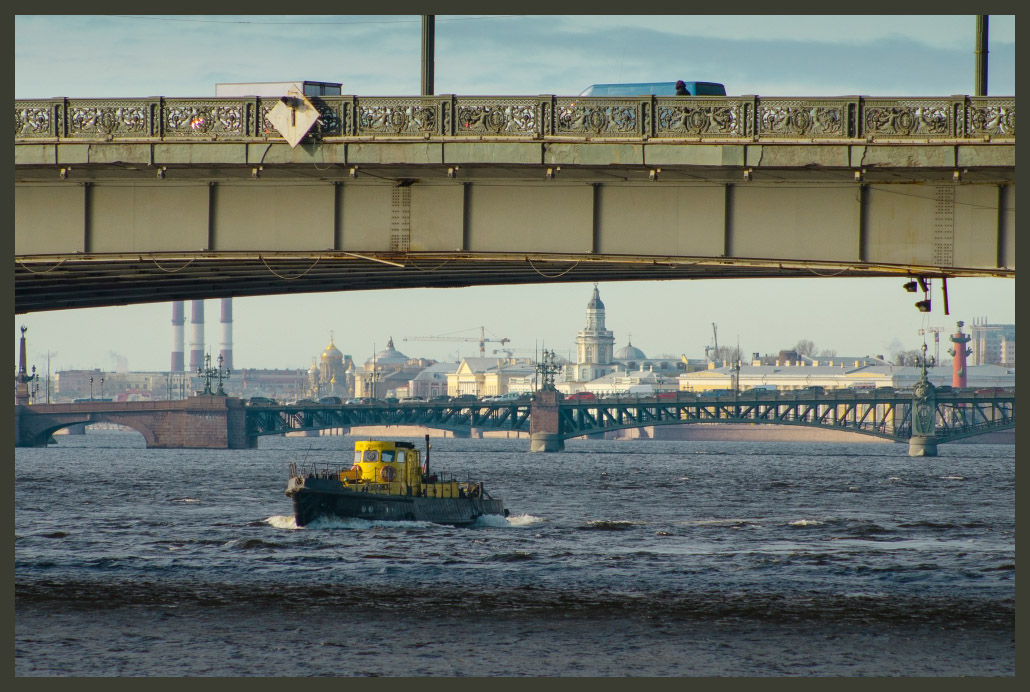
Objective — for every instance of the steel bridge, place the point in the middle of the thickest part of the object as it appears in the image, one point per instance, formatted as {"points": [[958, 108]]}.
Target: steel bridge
{"points": [[122, 201], [958, 415]]}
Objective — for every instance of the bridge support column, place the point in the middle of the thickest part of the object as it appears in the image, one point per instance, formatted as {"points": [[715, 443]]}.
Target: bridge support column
{"points": [[919, 446], [545, 442], [544, 423]]}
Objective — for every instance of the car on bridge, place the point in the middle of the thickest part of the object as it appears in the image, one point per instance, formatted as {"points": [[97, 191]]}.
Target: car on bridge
{"points": [[330, 400], [262, 401], [654, 89], [581, 396]]}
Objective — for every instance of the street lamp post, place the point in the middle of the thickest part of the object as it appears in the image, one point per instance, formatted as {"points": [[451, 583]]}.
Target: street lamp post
{"points": [[91, 388]]}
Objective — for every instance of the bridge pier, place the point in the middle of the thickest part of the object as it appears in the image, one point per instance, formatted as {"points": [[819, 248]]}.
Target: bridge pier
{"points": [[544, 422], [919, 446], [546, 442]]}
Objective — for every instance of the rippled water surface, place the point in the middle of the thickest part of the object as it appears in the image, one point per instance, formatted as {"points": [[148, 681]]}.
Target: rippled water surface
{"points": [[619, 557]]}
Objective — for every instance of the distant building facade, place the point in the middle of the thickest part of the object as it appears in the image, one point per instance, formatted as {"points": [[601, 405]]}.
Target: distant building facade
{"points": [[992, 344], [483, 377]]}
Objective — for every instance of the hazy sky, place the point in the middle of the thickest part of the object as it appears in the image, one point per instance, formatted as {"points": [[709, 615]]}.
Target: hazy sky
{"points": [[133, 56]]}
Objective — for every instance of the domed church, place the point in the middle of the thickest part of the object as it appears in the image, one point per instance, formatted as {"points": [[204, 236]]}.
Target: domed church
{"points": [[334, 376]]}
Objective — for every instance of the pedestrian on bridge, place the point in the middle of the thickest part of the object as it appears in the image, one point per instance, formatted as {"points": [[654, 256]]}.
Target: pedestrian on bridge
{"points": [[681, 88]]}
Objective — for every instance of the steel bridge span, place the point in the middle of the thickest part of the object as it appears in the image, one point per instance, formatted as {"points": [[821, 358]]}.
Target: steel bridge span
{"points": [[221, 422], [137, 200], [887, 416]]}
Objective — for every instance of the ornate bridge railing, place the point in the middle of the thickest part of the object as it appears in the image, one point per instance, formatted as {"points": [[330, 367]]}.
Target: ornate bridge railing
{"points": [[702, 118]]}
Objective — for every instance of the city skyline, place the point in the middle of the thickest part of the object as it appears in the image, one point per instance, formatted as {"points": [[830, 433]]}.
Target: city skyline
{"points": [[519, 55]]}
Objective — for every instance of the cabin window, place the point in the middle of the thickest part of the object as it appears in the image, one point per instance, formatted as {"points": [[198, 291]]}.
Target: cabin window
{"points": [[357, 457], [387, 455], [371, 455], [400, 456]]}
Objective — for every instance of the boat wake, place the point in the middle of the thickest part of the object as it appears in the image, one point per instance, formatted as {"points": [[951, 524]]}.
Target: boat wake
{"points": [[289, 522]]}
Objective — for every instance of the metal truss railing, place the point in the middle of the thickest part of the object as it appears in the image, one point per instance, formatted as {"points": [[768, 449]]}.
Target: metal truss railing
{"points": [[888, 416], [271, 420], [567, 118]]}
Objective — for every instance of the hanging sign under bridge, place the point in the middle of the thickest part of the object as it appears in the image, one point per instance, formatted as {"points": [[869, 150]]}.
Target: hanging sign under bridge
{"points": [[293, 116]]}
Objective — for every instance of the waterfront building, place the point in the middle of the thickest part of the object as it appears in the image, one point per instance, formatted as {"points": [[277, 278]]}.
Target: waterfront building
{"points": [[488, 376], [992, 343], [387, 373], [432, 381], [836, 374]]}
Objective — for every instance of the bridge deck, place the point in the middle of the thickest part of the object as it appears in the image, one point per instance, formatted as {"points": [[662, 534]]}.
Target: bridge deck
{"points": [[132, 200]]}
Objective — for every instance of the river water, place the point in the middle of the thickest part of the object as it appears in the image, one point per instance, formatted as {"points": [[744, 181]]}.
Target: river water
{"points": [[642, 558]]}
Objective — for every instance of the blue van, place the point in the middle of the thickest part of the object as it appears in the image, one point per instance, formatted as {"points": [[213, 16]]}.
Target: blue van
{"points": [[654, 89]]}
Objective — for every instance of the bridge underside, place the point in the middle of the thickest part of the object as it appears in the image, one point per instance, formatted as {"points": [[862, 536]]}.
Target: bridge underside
{"points": [[112, 231], [54, 283]]}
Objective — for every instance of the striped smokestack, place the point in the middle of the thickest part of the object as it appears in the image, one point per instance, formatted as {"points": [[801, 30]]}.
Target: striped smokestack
{"points": [[178, 337], [197, 336], [226, 346]]}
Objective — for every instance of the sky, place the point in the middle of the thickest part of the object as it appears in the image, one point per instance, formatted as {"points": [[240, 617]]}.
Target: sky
{"points": [[380, 55]]}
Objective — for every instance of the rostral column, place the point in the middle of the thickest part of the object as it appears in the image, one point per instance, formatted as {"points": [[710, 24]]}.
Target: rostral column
{"points": [[958, 354]]}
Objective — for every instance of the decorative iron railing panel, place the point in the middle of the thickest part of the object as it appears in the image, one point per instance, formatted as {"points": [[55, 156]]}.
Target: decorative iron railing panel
{"points": [[393, 117], [497, 117], [722, 118], [601, 117], [925, 118], [750, 118], [806, 118], [993, 117]]}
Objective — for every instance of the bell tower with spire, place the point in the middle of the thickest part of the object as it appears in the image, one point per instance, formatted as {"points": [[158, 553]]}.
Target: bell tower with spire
{"points": [[595, 345]]}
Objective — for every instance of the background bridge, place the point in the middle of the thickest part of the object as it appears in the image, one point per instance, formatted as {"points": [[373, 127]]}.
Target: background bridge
{"points": [[211, 421], [135, 200]]}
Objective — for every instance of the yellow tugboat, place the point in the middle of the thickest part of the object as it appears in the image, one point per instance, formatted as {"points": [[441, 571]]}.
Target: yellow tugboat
{"points": [[388, 481]]}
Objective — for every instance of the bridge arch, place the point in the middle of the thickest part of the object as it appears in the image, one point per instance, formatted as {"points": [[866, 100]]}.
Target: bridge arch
{"points": [[41, 433]]}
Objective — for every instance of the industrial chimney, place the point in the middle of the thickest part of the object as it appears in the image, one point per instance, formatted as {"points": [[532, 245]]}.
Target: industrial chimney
{"points": [[178, 337], [197, 336], [226, 346]]}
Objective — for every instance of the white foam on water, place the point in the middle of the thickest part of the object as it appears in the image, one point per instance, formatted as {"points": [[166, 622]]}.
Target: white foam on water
{"points": [[355, 523], [805, 522], [953, 478], [516, 520], [282, 522]]}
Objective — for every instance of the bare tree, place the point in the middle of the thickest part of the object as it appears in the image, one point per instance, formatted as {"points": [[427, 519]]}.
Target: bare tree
{"points": [[805, 347], [828, 353]]}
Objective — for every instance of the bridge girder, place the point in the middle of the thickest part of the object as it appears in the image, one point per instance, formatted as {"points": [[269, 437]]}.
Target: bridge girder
{"points": [[122, 201]]}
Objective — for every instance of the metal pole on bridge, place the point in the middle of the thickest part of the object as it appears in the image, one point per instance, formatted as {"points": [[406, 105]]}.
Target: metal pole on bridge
{"points": [[428, 50], [981, 55]]}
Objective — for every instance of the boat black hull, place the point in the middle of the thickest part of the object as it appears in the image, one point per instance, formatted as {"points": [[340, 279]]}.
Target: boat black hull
{"points": [[310, 503]]}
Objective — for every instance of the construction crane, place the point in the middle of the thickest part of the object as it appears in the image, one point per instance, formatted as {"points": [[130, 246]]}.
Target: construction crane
{"points": [[936, 341], [715, 350], [482, 339]]}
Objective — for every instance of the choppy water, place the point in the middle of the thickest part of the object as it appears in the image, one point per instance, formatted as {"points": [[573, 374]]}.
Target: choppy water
{"points": [[619, 558]]}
